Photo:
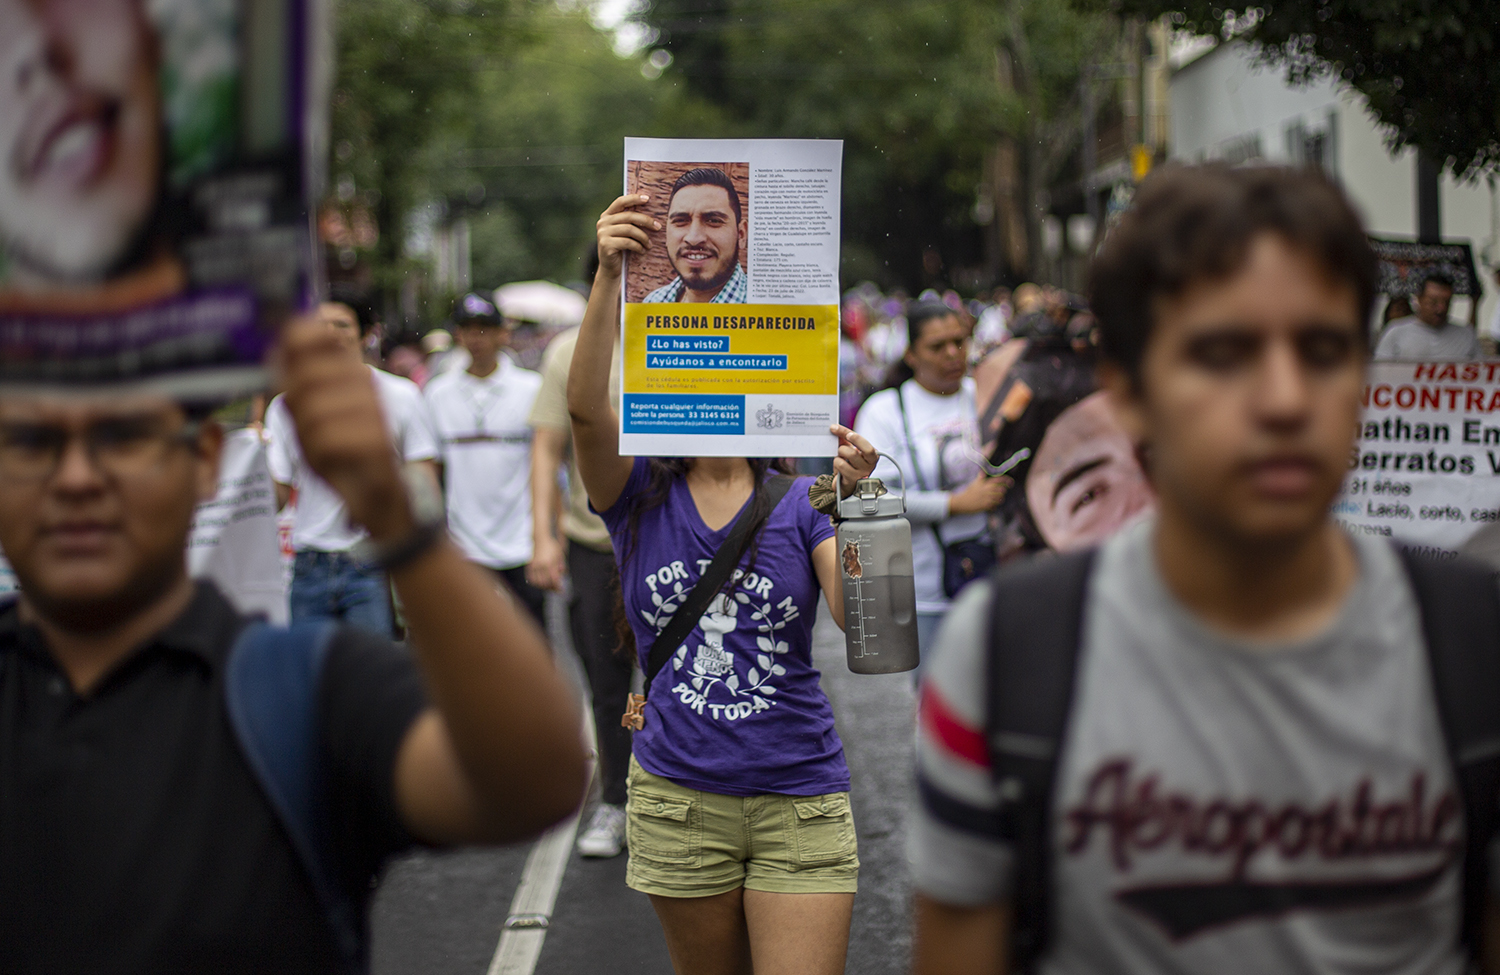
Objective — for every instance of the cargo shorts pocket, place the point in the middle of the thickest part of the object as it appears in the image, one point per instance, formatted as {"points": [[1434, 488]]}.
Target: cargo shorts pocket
{"points": [[665, 829], [823, 830]]}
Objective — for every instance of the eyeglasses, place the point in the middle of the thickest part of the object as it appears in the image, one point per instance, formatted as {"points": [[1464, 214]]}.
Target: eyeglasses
{"points": [[120, 448]]}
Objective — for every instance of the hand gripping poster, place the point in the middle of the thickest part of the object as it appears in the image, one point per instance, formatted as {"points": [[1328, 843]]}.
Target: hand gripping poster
{"points": [[730, 321], [1425, 469], [156, 157]]}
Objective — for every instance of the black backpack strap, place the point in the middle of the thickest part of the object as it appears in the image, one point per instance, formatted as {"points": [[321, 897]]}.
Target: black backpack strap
{"points": [[1036, 632], [714, 576], [1460, 606]]}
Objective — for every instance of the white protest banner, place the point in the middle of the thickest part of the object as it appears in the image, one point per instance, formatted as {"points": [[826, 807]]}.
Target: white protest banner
{"points": [[730, 322], [234, 540], [1426, 466]]}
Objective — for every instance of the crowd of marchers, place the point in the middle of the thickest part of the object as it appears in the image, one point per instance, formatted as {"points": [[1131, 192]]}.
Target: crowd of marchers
{"points": [[1171, 717]]}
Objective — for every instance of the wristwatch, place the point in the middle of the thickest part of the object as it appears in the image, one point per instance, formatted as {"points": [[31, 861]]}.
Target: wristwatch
{"points": [[429, 522]]}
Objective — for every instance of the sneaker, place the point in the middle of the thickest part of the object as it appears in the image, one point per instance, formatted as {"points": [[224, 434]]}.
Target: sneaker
{"points": [[605, 836]]}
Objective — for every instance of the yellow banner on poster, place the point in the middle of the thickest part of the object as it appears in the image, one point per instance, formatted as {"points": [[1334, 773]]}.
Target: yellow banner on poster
{"points": [[724, 348]]}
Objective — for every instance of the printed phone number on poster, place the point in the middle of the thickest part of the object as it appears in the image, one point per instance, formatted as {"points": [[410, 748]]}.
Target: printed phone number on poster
{"points": [[649, 414]]}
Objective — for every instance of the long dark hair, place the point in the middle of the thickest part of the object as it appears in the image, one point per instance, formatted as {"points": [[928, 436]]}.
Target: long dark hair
{"points": [[663, 473], [918, 314]]}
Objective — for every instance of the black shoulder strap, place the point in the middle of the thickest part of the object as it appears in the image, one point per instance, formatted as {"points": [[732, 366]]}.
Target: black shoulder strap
{"points": [[911, 445], [916, 466], [712, 580], [1036, 632], [1460, 605]]}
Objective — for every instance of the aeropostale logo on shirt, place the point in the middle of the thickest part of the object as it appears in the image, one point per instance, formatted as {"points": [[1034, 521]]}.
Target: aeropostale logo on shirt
{"points": [[1134, 815]]}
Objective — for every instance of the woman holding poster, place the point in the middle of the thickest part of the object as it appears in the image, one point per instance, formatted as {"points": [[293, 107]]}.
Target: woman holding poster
{"points": [[738, 818]]}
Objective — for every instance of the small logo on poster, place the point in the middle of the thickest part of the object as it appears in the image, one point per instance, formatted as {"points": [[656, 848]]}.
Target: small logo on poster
{"points": [[769, 418]]}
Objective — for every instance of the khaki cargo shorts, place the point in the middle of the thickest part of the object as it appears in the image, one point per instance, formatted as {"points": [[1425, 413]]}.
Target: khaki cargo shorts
{"points": [[686, 843]]}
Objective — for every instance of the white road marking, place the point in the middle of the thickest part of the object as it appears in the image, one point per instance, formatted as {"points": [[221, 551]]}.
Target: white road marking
{"points": [[531, 909], [536, 895]]}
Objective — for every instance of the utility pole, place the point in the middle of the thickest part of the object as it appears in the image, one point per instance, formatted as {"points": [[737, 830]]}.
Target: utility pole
{"points": [[1429, 200]]}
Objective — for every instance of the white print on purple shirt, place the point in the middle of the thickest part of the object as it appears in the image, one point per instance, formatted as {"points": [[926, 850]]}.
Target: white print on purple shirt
{"points": [[710, 682]]}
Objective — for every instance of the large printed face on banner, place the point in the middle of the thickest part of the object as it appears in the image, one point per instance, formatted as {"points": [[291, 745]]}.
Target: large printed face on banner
{"points": [[1082, 480], [1085, 482], [80, 138], [153, 172], [700, 254]]}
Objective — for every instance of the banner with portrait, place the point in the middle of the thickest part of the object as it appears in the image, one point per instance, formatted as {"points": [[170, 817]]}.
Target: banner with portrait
{"points": [[1406, 263], [159, 159], [1044, 423], [729, 322], [1426, 467]]}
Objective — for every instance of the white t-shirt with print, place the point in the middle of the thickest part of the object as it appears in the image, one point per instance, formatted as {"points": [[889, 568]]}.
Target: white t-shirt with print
{"points": [[486, 452], [1224, 807], [321, 522], [941, 456]]}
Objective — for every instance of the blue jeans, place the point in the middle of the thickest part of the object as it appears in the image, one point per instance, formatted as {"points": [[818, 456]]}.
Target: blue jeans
{"points": [[332, 585]]}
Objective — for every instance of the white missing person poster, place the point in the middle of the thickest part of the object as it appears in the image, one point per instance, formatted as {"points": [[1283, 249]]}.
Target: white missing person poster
{"points": [[1426, 467], [730, 323]]}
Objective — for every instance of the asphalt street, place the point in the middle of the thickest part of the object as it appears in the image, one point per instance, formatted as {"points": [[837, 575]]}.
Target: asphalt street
{"points": [[443, 913]]}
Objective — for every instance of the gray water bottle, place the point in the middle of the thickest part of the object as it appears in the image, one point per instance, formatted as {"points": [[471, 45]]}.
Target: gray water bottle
{"points": [[880, 597]]}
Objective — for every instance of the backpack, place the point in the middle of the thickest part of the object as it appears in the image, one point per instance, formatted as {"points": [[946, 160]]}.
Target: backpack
{"points": [[1032, 657], [271, 689]]}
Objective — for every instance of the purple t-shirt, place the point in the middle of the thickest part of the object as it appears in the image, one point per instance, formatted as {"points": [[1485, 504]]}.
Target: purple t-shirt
{"points": [[737, 710]]}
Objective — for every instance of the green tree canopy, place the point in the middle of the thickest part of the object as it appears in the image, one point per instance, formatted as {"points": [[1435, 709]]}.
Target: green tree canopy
{"points": [[407, 71], [920, 91]]}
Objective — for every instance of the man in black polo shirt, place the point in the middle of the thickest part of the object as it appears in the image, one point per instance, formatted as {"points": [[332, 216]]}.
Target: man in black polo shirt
{"points": [[134, 836]]}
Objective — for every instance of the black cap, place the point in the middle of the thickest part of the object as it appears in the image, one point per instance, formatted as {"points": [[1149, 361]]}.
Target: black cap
{"points": [[474, 307]]}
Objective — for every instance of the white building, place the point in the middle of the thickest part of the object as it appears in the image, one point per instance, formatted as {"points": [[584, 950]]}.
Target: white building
{"points": [[1225, 106]]}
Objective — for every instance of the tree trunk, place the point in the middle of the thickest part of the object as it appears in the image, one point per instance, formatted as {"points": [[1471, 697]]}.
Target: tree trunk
{"points": [[1028, 158]]}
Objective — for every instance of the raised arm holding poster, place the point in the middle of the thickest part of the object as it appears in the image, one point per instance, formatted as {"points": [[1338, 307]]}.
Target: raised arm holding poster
{"points": [[153, 217], [730, 323], [1426, 467]]}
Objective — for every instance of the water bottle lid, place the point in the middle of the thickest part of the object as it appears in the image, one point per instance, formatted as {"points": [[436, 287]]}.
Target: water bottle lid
{"points": [[871, 500]]}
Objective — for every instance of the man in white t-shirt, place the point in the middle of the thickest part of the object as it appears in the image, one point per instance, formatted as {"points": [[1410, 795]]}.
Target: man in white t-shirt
{"points": [[328, 581], [1429, 334], [1251, 773], [480, 414]]}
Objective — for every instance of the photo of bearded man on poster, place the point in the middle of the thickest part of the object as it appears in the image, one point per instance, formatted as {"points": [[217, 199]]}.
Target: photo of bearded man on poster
{"points": [[703, 236]]}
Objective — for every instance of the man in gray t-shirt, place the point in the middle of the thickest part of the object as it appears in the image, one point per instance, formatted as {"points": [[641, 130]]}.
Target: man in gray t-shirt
{"points": [[1429, 334], [1254, 776], [1200, 764]]}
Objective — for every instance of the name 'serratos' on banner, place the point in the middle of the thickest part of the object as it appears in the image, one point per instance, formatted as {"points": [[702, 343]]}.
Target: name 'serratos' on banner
{"points": [[1426, 466], [730, 321]]}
